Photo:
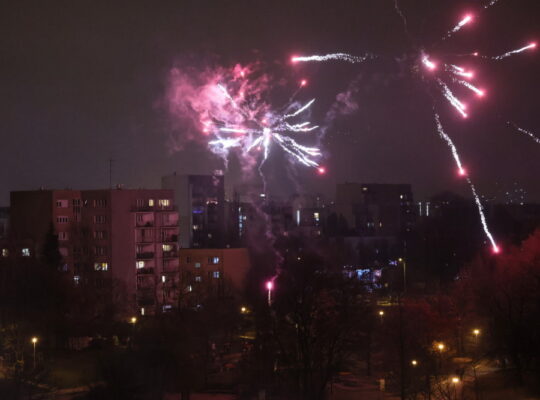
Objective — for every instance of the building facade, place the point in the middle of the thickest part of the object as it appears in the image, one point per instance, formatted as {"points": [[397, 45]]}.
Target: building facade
{"points": [[117, 235], [201, 206]]}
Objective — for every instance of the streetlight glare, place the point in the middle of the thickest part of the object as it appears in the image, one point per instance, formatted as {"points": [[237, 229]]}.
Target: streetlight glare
{"points": [[455, 379], [414, 362], [34, 340], [476, 332], [381, 313], [133, 320], [440, 346]]}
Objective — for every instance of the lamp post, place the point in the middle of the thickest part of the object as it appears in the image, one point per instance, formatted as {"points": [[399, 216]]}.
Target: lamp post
{"points": [[455, 382], [34, 342], [402, 261], [270, 287]]}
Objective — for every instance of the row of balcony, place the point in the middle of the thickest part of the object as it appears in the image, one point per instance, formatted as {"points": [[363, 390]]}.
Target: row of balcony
{"points": [[148, 255]]}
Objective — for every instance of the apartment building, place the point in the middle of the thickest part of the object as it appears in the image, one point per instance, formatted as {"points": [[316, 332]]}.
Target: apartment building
{"points": [[127, 235]]}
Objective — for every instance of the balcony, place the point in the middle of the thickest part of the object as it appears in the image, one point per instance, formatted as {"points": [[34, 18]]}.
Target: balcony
{"points": [[170, 254], [145, 271], [147, 255], [145, 224], [155, 207], [169, 238]]}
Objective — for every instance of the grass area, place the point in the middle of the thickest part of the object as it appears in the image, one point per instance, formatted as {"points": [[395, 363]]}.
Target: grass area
{"points": [[74, 369]]}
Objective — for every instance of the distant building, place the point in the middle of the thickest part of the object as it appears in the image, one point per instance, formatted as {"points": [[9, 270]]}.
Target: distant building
{"points": [[128, 235], [375, 209], [201, 206], [4, 222], [212, 273]]}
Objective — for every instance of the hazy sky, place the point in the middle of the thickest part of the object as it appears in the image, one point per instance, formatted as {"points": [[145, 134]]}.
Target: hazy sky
{"points": [[85, 81]]}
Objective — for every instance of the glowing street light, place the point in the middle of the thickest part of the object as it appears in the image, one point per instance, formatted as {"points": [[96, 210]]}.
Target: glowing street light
{"points": [[243, 310], [441, 347], [476, 332], [414, 363], [133, 320], [34, 342]]}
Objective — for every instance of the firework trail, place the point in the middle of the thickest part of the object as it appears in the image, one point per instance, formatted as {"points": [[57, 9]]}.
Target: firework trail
{"points": [[512, 52], [491, 3], [494, 246], [260, 132], [526, 132], [468, 18], [333, 56], [401, 15], [463, 172], [452, 99]]}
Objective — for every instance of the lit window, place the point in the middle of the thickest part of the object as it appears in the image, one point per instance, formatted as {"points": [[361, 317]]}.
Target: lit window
{"points": [[198, 278], [164, 202], [213, 260], [25, 252], [197, 265], [139, 264], [5, 252], [163, 278], [63, 236], [76, 279], [150, 202], [142, 311], [167, 247], [101, 266], [316, 216], [401, 196], [62, 219], [100, 219], [196, 227], [189, 288], [215, 274]]}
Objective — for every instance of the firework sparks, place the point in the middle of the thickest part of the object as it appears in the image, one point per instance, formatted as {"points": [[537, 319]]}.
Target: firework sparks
{"points": [[526, 132], [468, 18], [333, 56], [264, 131], [452, 99], [512, 52], [450, 143], [491, 3], [494, 246], [463, 172]]}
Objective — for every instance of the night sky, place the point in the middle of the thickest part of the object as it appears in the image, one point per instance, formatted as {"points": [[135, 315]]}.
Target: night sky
{"points": [[85, 81]]}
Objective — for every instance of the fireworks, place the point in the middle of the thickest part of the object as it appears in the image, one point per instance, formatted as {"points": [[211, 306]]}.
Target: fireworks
{"points": [[250, 132], [517, 51], [442, 75], [333, 56], [468, 18], [526, 132]]}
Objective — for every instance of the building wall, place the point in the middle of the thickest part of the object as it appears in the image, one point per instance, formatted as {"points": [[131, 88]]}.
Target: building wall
{"points": [[198, 269], [100, 230]]}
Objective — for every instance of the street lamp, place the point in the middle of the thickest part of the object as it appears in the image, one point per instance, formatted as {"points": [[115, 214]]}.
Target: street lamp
{"points": [[441, 347], [243, 309], [414, 363], [34, 342], [455, 381], [269, 287], [133, 320], [402, 261]]}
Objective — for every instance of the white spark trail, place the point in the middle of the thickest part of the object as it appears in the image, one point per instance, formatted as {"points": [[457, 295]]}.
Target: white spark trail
{"points": [[333, 56], [526, 132], [494, 246], [300, 110], [469, 86], [450, 144], [491, 3], [462, 172], [461, 24], [512, 52], [454, 101]]}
